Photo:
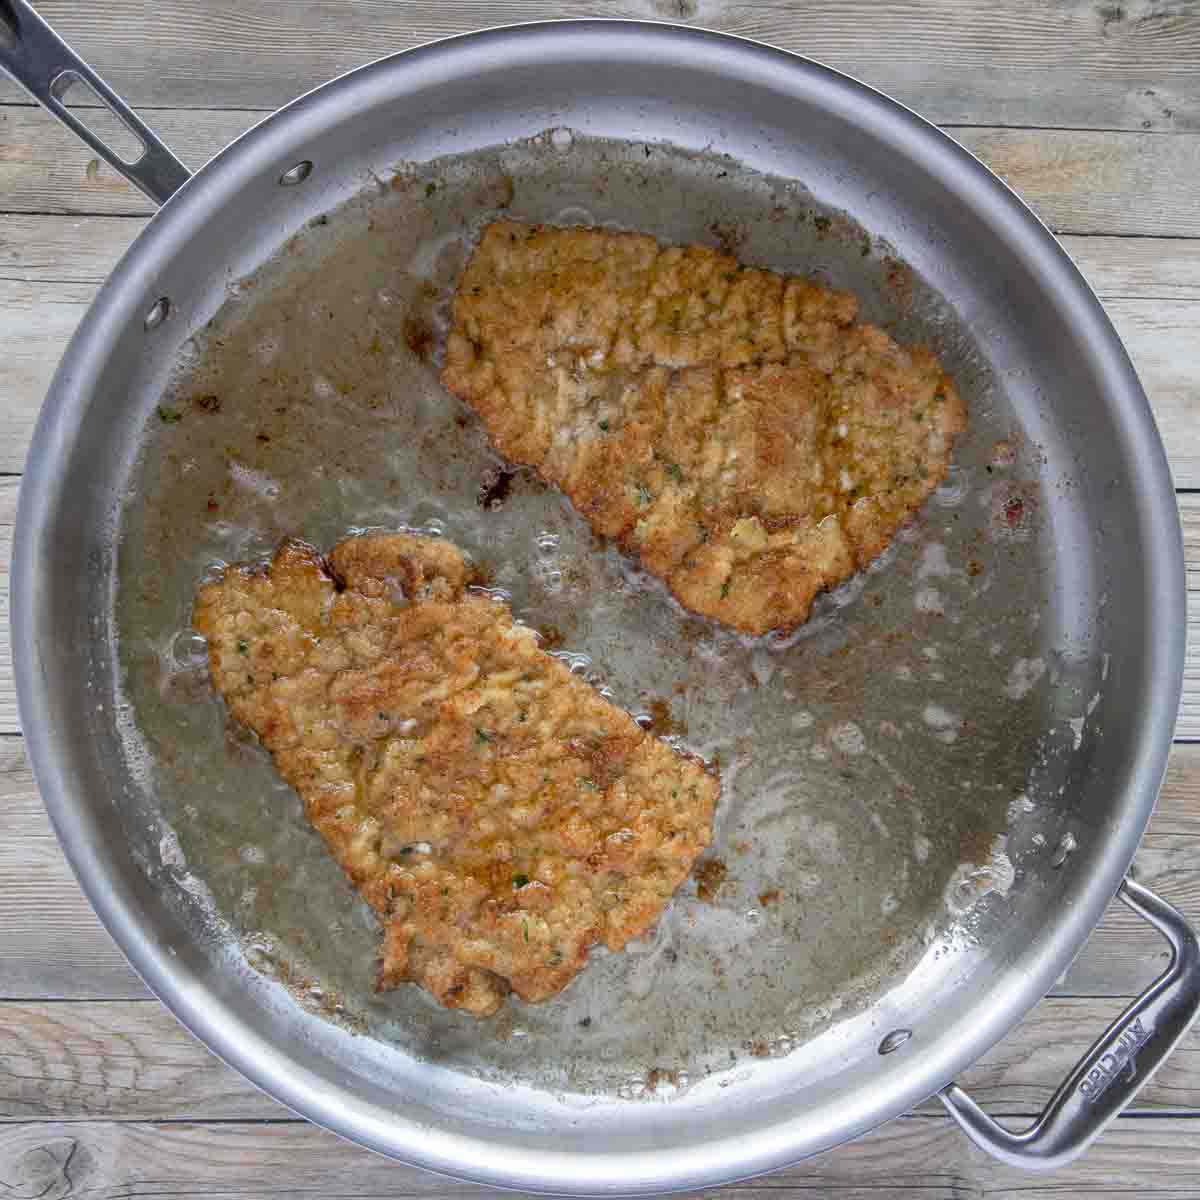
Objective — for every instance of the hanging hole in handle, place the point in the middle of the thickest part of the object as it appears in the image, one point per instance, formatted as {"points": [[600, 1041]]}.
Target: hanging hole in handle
{"points": [[90, 109], [297, 174], [158, 312]]}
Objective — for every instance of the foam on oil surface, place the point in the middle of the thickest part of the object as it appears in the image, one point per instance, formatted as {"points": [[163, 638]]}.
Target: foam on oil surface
{"points": [[869, 760]]}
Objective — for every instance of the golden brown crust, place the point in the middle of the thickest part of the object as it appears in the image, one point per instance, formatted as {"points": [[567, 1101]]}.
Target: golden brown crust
{"points": [[732, 427], [498, 814]]}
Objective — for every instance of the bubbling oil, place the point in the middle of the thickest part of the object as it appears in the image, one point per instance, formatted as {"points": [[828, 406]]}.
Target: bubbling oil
{"points": [[868, 759]]}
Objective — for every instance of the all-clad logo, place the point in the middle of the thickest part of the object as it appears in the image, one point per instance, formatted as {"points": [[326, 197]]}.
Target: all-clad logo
{"points": [[1113, 1062]]}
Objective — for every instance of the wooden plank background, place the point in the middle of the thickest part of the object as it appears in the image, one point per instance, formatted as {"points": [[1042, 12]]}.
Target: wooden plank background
{"points": [[1089, 108]]}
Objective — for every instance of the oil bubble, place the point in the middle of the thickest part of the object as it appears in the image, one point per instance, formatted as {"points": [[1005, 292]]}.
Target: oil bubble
{"points": [[189, 649]]}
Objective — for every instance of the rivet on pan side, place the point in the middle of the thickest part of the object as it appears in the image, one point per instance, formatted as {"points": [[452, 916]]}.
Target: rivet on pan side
{"points": [[159, 311], [894, 1040], [297, 174]]}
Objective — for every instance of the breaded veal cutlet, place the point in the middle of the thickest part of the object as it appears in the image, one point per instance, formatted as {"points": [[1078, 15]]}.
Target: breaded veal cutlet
{"points": [[498, 814], [736, 429]]}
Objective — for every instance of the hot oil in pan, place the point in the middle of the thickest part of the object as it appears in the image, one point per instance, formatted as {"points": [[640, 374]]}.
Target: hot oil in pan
{"points": [[867, 760]]}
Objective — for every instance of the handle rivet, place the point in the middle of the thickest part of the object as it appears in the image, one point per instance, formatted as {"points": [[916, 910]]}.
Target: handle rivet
{"points": [[297, 174], [160, 310], [894, 1040]]}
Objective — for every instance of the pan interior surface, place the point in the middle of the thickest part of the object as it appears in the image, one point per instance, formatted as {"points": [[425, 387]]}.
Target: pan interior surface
{"points": [[944, 757], [868, 759]]}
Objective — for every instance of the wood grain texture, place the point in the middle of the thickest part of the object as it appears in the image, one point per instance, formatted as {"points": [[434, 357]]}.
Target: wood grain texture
{"points": [[1077, 181], [1163, 340], [1078, 63], [36, 323], [121, 1060], [1189, 707], [9, 490], [53, 948], [73, 249], [51, 942], [1124, 955], [1127, 268], [1081, 181], [131, 1060], [922, 1157], [44, 168]]}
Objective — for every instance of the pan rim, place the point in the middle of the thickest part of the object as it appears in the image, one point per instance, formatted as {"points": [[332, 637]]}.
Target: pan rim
{"points": [[249, 1051]]}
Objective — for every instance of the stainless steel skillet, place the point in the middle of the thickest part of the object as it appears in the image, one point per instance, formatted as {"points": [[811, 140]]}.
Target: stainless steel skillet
{"points": [[1079, 549]]}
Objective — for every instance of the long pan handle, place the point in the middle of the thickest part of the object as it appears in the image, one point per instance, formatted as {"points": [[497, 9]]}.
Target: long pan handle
{"points": [[1116, 1067], [46, 67]]}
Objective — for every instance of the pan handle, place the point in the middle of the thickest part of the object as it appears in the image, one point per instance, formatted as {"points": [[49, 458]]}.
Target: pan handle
{"points": [[1114, 1069], [46, 67]]}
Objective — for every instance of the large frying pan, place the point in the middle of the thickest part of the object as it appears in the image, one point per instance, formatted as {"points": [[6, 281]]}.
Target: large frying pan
{"points": [[1011, 671]]}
